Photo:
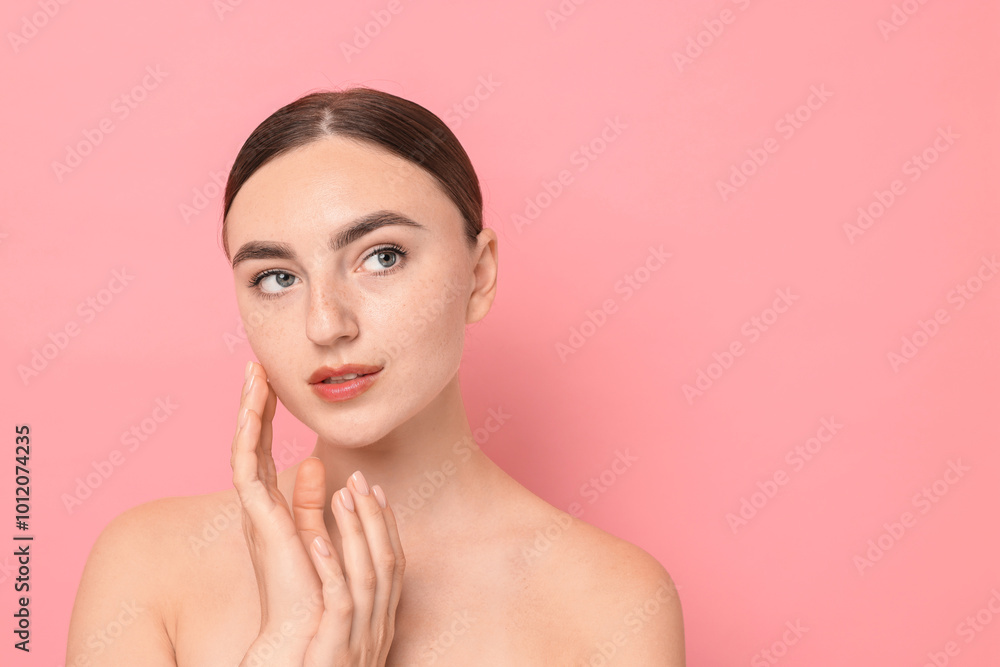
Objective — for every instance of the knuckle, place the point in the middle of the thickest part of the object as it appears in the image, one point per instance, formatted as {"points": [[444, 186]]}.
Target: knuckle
{"points": [[343, 606], [353, 528], [252, 497], [334, 588], [386, 562], [242, 492], [368, 580], [369, 652], [381, 631], [371, 509], [338, 599]]}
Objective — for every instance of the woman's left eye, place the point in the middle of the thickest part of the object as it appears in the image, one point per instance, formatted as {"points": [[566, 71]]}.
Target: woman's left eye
{"points": [[385, 259]]}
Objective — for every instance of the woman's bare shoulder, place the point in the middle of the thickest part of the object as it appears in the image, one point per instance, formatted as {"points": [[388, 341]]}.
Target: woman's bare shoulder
{"points": [[622, 598], [173, 528], [137, 572], [154, 545]]}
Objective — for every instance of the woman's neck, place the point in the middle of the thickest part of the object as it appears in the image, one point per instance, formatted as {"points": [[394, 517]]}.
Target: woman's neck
{"points": [[434, 475]]}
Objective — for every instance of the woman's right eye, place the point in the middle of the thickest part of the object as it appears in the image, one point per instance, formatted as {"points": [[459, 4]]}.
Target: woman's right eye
{"points": [[273, 282]]}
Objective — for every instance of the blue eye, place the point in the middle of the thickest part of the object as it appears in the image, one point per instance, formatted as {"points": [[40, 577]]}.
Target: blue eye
{"points": [[272, 283], [267, 287], [384, 259]]}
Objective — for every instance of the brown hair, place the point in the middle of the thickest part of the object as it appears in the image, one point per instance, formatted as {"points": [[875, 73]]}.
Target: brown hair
{"points": [[405, 128]]}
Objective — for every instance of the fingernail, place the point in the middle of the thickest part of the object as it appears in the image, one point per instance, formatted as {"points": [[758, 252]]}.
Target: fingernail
{"points": [[379, 495], [250, 384], [320, 546], [243, 416], [346, 499], [246, 371], [360, 483]]}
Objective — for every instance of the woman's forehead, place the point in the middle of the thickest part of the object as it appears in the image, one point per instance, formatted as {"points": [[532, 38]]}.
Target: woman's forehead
{"points": [[341, 166], [330, 182]]}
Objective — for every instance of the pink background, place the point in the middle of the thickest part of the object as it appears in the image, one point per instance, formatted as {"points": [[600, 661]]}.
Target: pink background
{"points": [[681, 128]]}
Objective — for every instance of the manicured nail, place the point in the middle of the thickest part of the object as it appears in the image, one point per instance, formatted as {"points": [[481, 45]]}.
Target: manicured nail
{"points": [[346, 499], [320, 546], [243, 416], [360, 483], [379, 495], [246, 371]]}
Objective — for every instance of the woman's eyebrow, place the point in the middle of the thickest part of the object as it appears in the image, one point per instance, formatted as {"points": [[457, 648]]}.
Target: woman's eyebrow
{"points": [[364, 225]]}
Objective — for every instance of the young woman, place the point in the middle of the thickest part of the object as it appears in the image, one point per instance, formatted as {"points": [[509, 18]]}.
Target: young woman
{"points": [[353, 223]]}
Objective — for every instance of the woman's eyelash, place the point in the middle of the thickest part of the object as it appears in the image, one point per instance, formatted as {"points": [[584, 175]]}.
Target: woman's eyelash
{"points": [[256, 280], [389, 246]]}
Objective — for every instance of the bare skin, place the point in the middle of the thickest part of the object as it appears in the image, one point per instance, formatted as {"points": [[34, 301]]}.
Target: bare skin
{"points": [[470, 567]]}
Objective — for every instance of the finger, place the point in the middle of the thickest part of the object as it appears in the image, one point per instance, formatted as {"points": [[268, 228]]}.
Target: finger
{"points": [[250, 381], [397, 548], [259, 397], [380, 550], [397, 575], [309, 501], [243, 459], [246, 479], [240, 411], [267, 430], [268, 409], [333, 634], [361, 575], [251, 476]]}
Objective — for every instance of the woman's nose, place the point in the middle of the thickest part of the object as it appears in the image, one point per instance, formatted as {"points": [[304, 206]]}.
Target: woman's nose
{"points": [[330, 316]]}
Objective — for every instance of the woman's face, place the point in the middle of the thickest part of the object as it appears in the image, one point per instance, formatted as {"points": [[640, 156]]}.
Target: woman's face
{"points": [[329, 292]]}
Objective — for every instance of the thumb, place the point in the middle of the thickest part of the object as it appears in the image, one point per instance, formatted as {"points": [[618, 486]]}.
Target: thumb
{"points": [[309, 501]]}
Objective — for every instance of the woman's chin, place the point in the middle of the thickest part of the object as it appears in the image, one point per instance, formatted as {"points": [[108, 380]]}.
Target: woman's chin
{"points": [[347, 436]]}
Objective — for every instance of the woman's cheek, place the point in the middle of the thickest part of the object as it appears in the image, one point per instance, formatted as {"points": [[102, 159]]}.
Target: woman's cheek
{"points": [[435, 323], [266, 335], [444, 339], [257, 314]]}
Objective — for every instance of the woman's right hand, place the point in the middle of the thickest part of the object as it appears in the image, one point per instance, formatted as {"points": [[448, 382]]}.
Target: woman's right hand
{"points": [[313, 612]]}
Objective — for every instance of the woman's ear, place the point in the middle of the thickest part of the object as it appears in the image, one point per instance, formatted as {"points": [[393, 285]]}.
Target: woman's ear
{"points": [[484, 276]]}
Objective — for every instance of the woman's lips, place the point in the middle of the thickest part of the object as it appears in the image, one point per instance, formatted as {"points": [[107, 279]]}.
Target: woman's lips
{"points": [[325, 372], [342, 391]]}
